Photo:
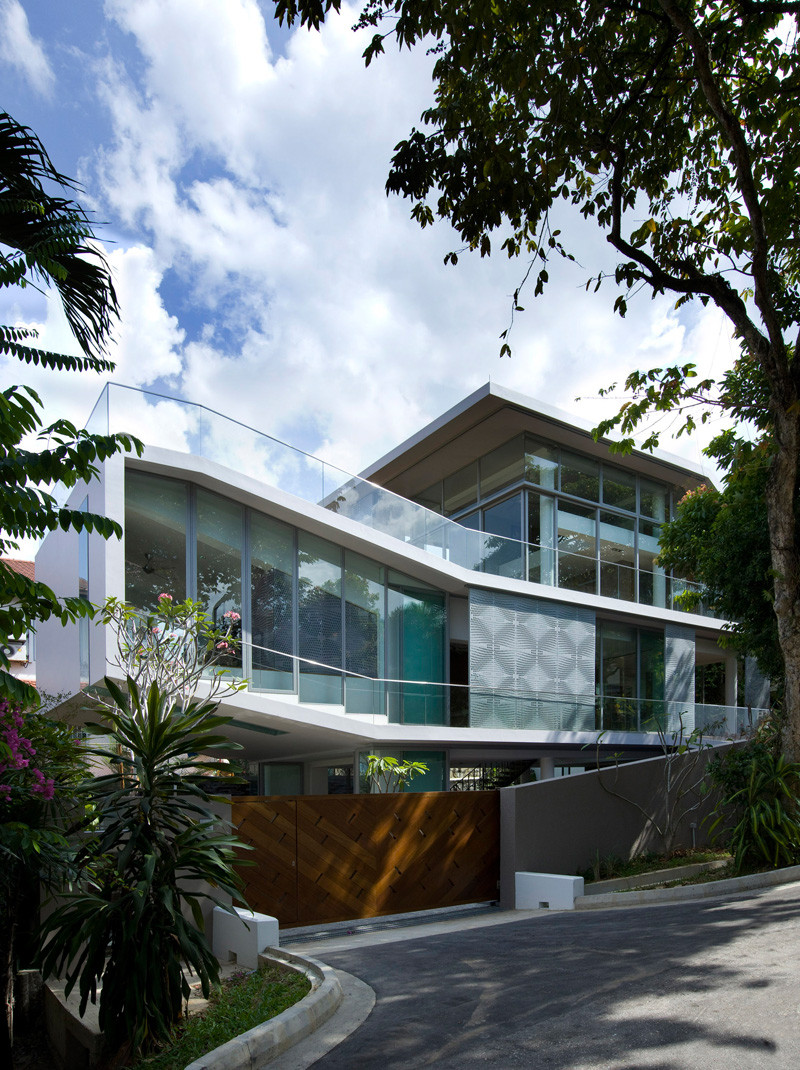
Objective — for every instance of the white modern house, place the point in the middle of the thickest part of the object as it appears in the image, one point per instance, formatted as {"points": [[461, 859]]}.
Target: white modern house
{"points": [[486, 598]]}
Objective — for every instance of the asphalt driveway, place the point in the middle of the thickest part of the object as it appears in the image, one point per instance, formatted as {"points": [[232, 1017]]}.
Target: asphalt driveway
{"points": [[696, 985]]}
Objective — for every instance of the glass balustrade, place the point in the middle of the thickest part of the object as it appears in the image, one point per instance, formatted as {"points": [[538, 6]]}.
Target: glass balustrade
{"points": [[418, 702], [190, 428]]}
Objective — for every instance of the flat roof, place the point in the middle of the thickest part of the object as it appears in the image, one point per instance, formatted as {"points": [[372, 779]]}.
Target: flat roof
{"points": [[475, 422]]}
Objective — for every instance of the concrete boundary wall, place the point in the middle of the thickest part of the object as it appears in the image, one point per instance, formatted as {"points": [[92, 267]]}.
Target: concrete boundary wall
{"points": [[561, 825]]}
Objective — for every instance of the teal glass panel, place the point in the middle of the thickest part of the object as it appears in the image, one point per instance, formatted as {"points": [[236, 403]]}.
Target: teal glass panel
{"points": [[580, 476], [271, 598], [577, 543], [502, 467], [433, 780], [219, 569], [504, 556], [155, 539], [619, 488], [461, 489], [415, 632], [364, 633], [541, 463], [471, 520], [320, 619]]}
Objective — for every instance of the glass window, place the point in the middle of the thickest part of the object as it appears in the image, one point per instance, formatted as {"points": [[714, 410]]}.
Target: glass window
{"points": [[431, 498], [503, 466], [271, 595], [541, 538], [653, 499], [461, 489], [541, 463], [619, 488], [471, 520], [504, 555], [364, 639], [577, 567], [415, 651], [320, 618], [617, 676], [580, 476], [652, 578], [219, 568], [155, 538], [617, 556]]}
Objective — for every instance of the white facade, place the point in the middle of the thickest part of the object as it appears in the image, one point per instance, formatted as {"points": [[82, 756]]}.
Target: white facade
{"points": [[372, 624]]}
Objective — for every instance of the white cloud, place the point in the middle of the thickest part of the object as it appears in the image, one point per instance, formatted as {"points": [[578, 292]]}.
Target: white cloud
{"points": [[23, 51], [330, 319]]}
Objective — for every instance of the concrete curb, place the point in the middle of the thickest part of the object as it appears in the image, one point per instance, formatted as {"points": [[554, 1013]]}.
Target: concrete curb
{"points": [[267, 1041], [655, 876], [682, 893]]}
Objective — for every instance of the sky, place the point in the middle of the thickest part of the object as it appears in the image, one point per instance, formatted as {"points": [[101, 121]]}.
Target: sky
{"points": [[238, 169]]}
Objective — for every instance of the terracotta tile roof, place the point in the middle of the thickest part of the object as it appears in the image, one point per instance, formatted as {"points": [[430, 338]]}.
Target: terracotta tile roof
{"points": [[24, 568]]}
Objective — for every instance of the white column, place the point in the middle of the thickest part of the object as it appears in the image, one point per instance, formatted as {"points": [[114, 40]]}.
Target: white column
{"points": [[547, 768]]}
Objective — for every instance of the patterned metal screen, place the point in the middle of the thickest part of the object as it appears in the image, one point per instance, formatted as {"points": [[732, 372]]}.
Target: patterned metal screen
{"points": [[539, 655]]}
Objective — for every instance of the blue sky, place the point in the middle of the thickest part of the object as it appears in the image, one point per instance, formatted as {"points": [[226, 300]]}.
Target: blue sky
{"points": [[240, 171]]}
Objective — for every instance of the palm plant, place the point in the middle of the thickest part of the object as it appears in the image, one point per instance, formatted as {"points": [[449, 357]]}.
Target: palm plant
{"points": [[150, 839], [765, 809]]}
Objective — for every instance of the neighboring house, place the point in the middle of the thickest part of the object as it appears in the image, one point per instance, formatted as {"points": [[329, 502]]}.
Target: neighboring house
{"points": [[21, 652], [486, 598]]}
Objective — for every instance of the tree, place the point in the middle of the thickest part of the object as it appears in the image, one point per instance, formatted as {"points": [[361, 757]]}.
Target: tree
{"points": [[720, 539], [40, 765], [150, 847], [673, 126], [46, 240], [387, 774]]}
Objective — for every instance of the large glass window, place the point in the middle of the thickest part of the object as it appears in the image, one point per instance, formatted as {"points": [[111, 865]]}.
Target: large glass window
{"points": [[652, 577], [505, 554], [502, 467], [219, 568], [364, 634], [580, 476], [271, 597], [617, 556], [577, 542], [461, 489], [630, 677], [541, 463], [416, 628], [155, 538], [653, 499], [619, 488], [319, 618], [541, 538]]}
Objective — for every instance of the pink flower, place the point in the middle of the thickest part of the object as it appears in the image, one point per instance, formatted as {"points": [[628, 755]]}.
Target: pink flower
{"points": [[44, 786], [164, 597], [230, 615], [223, 646]]}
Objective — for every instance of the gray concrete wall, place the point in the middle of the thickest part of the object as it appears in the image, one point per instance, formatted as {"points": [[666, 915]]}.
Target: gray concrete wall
{"points": [[560, 825]]}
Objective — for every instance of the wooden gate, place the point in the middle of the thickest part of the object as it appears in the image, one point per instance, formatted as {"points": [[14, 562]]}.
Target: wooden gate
{"points": [[324, 858]]}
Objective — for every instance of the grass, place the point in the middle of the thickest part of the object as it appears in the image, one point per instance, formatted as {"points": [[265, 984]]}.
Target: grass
{"points": [[611, 866], [244, 1001]]}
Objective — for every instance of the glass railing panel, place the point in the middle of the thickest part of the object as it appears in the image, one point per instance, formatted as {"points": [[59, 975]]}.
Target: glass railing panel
{"points": [[185, 427]]}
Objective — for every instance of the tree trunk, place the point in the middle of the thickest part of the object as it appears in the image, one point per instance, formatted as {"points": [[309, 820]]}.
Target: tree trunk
{"points": [[8, 926], [780, 497]]}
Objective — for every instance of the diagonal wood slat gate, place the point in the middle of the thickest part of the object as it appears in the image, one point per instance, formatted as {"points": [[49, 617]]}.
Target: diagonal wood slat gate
{"points": [[324, 858]]}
